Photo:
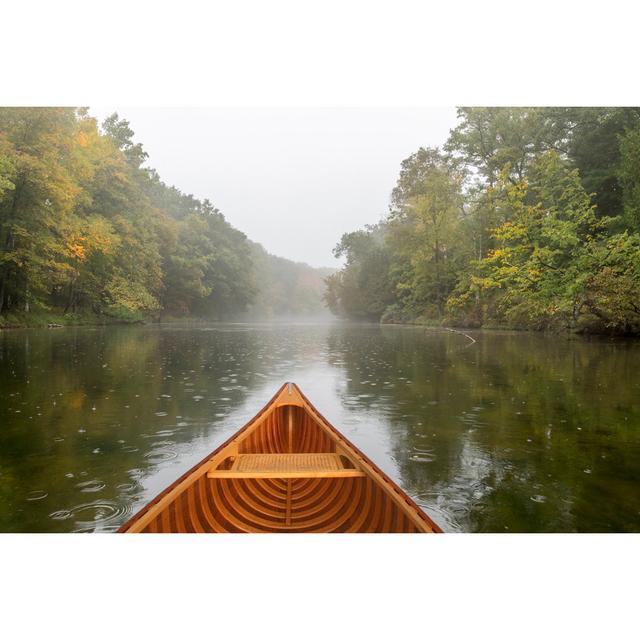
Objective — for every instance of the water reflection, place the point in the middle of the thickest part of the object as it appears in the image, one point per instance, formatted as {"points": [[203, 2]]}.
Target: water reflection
{"points": [[515, 432], [518, 433]]}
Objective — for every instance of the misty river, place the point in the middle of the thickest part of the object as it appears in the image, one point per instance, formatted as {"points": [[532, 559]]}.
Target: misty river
{"points": [[513, 432]]}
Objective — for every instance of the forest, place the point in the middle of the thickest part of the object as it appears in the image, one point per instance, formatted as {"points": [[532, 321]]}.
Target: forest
{"points": [[90, 233], [526, 218]]}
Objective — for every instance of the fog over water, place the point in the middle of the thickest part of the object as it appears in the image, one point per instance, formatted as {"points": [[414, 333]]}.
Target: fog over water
{"points": [[292, 179]]}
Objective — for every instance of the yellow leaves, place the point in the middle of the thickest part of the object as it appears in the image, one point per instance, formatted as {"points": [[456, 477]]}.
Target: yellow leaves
{"points": [[82, 139], [483, 283], [509, 231], [77, 251], [130, 295], [7, 166], [102, 237], [534, 274], [85, 236]]}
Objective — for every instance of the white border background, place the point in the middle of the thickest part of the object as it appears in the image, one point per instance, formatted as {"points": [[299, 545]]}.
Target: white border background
{"points": [[329, 53]]}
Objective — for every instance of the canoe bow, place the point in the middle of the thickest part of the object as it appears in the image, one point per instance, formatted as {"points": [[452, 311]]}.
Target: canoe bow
{"points": [[288, 470]]}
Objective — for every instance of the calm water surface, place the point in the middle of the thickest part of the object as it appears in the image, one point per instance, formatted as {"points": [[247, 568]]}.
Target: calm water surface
{"points": [[515, 432]]}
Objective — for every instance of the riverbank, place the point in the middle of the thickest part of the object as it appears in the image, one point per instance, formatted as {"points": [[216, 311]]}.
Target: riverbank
{"points": [[584, 331], [44, 319], [52, 319]]}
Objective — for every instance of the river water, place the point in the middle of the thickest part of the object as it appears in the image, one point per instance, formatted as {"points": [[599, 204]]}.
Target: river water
{"points": [[514, 432]]}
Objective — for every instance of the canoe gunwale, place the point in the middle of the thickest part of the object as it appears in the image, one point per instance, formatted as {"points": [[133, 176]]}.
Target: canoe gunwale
{"points": [[342, 446], [192, 471], [361, 457]]}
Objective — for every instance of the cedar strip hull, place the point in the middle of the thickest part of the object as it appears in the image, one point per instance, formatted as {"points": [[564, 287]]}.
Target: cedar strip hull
{"points": [[288, 424]]}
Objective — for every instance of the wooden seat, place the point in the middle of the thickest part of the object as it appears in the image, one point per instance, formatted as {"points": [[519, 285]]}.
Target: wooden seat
{"points": [[289, 438], [287, 465]]}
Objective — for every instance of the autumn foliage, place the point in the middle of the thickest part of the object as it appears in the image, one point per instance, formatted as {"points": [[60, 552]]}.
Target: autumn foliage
{"points": [[86, 226], [529, 218]]}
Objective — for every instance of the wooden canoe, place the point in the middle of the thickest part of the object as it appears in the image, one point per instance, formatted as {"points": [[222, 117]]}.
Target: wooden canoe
{"points": [[287, 470]]}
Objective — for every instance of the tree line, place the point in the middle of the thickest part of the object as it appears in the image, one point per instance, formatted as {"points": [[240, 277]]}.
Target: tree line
{"points": [[87, 228], [527, 218]]}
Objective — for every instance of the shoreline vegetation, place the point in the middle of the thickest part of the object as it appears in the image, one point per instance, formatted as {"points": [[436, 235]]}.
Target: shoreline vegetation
{"points": [[527, 219], [43, 320], [90, 234]]}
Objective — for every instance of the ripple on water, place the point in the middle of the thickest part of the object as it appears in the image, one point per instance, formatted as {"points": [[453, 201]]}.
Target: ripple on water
{"points": [[161, 455], [63, 514], [91, 486], [434, 506], [32, 496], [99, 516], [539, 498], [419, 454], [162, 443], [164, 433], [420, 450], [161, 414], [127, 486], [422, 457]]}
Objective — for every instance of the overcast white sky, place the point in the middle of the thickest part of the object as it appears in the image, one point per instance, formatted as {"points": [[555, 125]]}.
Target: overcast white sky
{"points": [[292, 179]]}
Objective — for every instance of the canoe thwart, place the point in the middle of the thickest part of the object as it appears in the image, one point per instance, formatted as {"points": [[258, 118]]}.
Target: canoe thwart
{"points": [[287, 465]]}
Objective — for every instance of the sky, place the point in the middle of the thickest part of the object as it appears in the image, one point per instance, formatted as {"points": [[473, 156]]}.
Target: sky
{"points": [[292, 179]]}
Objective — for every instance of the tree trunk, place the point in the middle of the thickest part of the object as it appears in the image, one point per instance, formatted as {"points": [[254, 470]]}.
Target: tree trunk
{"points": [[10, 241], [2, 281], [71, 295], [439, 293], [8, 246]]}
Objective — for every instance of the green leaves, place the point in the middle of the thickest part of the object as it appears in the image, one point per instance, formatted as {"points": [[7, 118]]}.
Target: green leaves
{"points": [[629, 176], [84, 226], [363, 289], [7, 167], [521, 239], [492, 138], [549, 221], [424, 232]]}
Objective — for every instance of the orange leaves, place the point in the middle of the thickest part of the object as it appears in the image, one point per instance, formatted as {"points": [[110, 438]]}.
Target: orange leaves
{"points": [[77, 251], [93, 234]]}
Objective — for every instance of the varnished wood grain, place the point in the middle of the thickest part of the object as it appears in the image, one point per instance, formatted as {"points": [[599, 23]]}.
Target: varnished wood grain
{"points": [[283, 490]]}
